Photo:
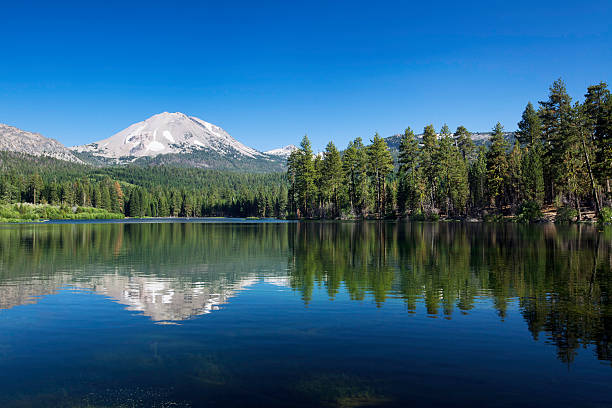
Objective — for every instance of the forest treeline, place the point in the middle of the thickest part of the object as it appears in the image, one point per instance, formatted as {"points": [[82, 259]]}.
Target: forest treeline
{"points": [[562, 157], [141, 191]]}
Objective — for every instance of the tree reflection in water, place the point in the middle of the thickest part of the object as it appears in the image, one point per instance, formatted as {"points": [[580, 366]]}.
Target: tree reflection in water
{"points": [[560, 277]]}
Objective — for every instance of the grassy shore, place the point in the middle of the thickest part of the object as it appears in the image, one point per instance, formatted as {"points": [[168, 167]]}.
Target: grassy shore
{"points": [[27, 212]]}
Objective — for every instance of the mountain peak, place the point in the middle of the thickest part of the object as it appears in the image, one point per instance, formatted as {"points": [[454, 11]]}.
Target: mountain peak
{"points": [[282, 151], [168, 132]]}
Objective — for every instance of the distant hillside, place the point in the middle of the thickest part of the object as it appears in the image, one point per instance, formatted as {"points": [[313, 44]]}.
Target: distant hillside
{"points": [[51, 169], [13, 139], [207, 159]]}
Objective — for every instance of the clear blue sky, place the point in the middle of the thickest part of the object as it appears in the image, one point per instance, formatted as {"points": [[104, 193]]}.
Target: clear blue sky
{"points": [[269, 72]]}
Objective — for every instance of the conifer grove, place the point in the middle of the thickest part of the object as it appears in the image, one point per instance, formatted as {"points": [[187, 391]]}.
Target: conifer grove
{"points": [[561, 158]]}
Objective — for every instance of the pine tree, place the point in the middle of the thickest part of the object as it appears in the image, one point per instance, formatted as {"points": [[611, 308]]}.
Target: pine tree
{"points": [[459, 182], [407, 194], [97, 196], [555, 114], [390, 199], [349, 167], [429, 165], [566, 150], [532, 176], [163, 207], [332, 178], [465, 143], [453, 187], [515, 175], [261, 205], [305, 177], [478, 179], [445, 160], [116, 197], [497, 166], [35, 187], [134, 204], [292, 171], [281, 203], [529, 131], [576, 177], [52, 193], [380, 164], [68, 194], [175, 203], [187, 205], [354, 164], [598, 112], [318, 193], [529, 134]]}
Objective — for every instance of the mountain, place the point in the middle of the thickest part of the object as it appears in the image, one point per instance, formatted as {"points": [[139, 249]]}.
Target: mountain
{"points": [[167, 133], [16, 140], [178, 139], [283, 152]]}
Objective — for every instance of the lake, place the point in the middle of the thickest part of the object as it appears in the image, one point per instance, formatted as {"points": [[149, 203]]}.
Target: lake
{"points": [[270, 314]]}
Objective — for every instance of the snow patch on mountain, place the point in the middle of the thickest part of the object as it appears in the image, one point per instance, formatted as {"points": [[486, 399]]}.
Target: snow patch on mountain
{"points": [[169, 136]]}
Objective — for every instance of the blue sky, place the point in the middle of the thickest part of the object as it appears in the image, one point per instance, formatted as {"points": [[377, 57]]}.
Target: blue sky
{"points": [[269, 72]]}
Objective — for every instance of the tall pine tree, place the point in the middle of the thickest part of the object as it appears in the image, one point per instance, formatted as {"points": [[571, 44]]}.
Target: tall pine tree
{"points": [[380, 164], [497, 166]]}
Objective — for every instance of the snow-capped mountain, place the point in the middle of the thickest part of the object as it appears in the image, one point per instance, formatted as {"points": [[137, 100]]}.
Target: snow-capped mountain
{"points": [[283, 152], [16, 140], [167, 133]]}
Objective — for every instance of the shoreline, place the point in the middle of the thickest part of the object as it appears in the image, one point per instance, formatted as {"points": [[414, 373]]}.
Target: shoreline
{"points": [[243, 220]]}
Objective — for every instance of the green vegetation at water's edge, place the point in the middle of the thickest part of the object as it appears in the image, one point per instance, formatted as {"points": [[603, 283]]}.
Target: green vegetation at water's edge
{"points": [[39, 212]]}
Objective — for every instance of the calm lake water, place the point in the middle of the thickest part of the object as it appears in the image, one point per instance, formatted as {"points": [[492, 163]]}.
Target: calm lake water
{"points": [[305, 314]]}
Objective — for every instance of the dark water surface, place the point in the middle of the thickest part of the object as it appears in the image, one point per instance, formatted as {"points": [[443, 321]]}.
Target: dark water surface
{"points": [[305, 314]]}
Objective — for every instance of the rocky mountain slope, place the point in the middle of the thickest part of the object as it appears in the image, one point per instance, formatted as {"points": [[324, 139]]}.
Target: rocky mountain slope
{"points": [[16, 140]]}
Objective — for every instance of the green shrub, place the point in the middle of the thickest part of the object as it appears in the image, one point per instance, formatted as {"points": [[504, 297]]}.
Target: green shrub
{"points": [[566, 215], [425, 216], [528, 211], [493, 218], [605, 216], [432, 216], [30, 212], [418, 216]]}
